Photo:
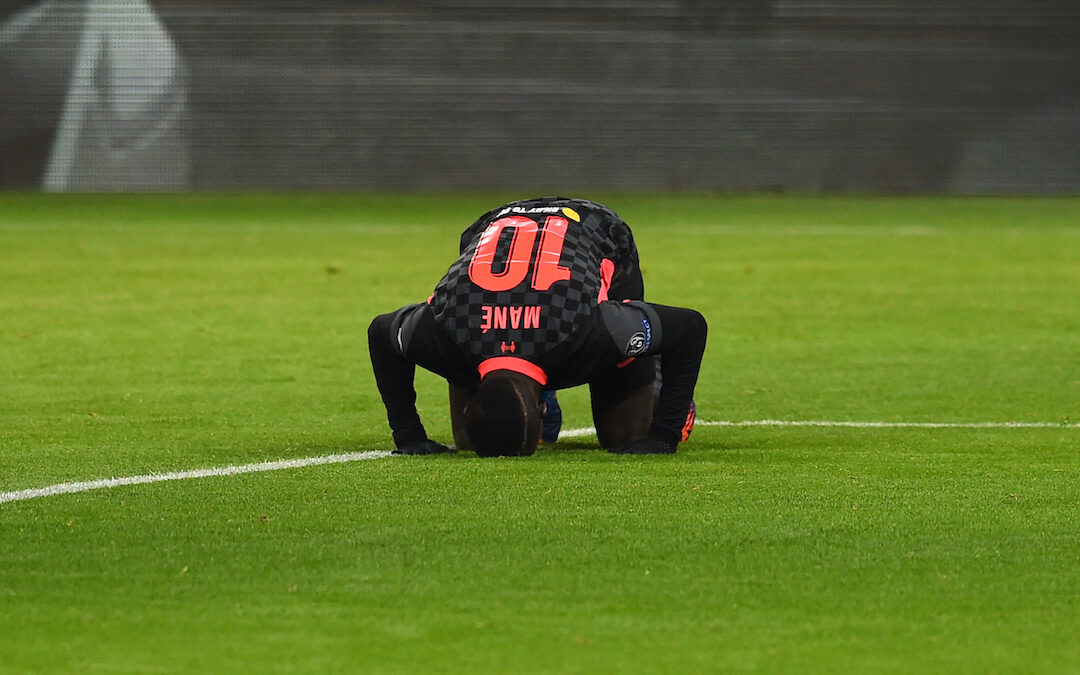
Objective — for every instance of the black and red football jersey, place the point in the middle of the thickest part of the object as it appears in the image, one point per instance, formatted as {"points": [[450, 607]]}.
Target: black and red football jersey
{"points": [[550, 288], [529, 277]]}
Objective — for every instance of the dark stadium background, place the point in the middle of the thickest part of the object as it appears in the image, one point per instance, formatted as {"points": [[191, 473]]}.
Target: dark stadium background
{"points": [[968, 96]]}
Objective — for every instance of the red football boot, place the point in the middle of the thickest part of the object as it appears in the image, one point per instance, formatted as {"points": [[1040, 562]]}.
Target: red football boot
{"points": [[688, 426]]}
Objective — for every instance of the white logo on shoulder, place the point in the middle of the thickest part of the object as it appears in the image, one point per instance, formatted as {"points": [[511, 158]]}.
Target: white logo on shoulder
{"points": [[636, 344], [641, 340]]}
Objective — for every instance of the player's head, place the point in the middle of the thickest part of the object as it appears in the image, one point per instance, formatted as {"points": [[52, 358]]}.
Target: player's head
{"points": [[503, 417]]}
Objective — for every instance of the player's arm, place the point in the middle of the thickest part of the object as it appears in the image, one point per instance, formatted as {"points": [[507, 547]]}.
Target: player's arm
{"points": [[683, 346], [394, 375], [682, 336]]}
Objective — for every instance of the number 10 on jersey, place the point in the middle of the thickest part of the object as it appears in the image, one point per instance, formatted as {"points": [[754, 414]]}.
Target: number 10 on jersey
{"points": [[546, 269]]}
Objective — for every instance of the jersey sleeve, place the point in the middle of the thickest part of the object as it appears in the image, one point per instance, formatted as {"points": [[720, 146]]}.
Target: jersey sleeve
{"points": [[626, 280], [472, 232]]}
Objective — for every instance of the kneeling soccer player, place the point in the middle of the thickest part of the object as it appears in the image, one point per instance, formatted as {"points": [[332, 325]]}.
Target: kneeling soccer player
{"points": [[546, 294]]}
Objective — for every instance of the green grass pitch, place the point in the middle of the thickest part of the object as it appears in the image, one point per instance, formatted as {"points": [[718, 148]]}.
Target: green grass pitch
{"points": [[149, 334]]}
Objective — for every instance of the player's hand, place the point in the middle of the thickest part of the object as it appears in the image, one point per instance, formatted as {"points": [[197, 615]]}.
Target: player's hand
{"points": [[424, 447], [646, 446]]}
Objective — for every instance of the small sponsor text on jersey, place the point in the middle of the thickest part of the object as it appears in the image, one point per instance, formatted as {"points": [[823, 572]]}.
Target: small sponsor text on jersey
{"points": [[531, 209]]}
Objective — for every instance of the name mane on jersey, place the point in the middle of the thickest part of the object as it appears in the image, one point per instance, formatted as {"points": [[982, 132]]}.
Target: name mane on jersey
{"points": [[516, 317]]}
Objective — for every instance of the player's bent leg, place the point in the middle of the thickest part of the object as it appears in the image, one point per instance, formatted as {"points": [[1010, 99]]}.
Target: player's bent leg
{"points": [[459, 398], [550, 417], [621, 417]]}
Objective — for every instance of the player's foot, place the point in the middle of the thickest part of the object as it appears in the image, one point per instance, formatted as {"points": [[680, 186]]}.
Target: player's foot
{"points": [[688, 426], [551, 418], [425, 447], [646, 446]]}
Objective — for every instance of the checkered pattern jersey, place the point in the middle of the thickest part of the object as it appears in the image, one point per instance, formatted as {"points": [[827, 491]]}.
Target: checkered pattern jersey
{"points": [[458, 303]]}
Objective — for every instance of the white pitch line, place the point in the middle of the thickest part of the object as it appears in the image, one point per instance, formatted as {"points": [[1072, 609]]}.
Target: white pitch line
{"points": [[894, 425], [86, 486], [588, 431]]}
